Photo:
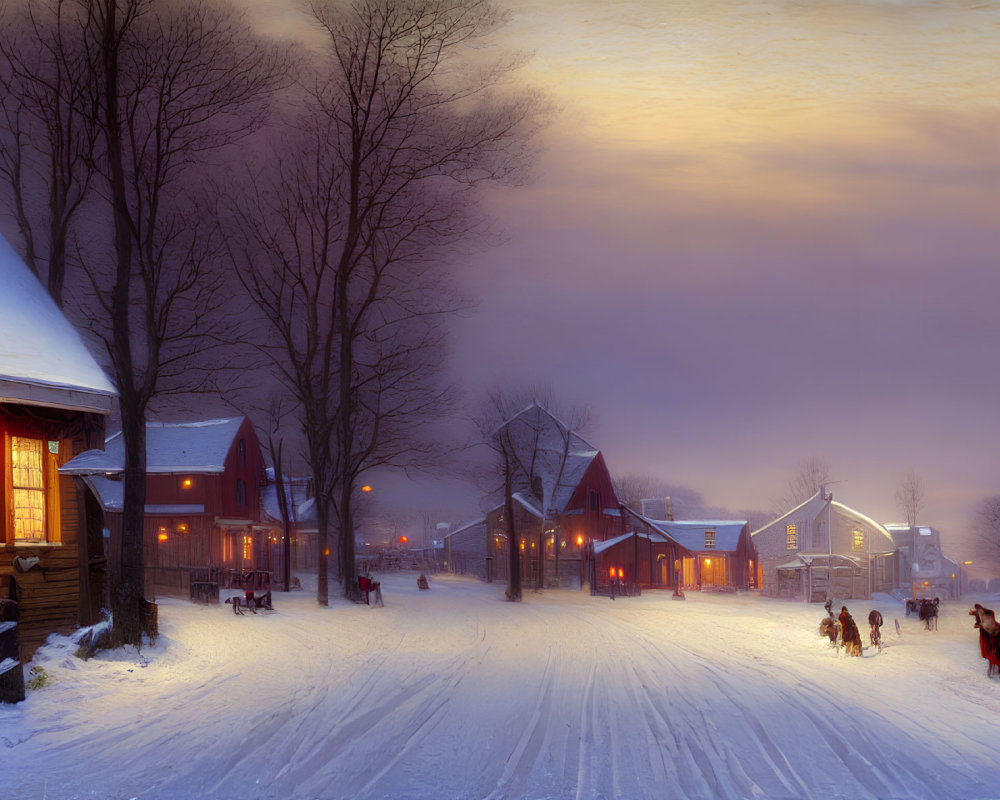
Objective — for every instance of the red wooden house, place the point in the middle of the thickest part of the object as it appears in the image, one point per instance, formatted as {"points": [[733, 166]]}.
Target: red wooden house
{"points": [[54, 401], [568, 502], [683, 554], [203, 498]]}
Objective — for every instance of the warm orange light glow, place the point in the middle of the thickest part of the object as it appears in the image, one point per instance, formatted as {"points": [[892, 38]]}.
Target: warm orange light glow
{"points": [[621, 573], [612, 572], [326, 552], [162, 537], [579, 540], [366, 488], [966, 563], [708, 562], [187, 483], [182, 527], [404, 539], [926, 584]]}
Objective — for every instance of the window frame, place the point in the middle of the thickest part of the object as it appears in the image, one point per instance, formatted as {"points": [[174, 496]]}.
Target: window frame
{"points": [[51, 494], [791, 536]]}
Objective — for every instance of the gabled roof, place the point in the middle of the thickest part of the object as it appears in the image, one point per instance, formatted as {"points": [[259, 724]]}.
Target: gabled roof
{"points": [[607, 544], [296, 493], [467, 526], [811, 509], [43, 360], [171, 447], [690, 534], [561, 456], [110, 494]]}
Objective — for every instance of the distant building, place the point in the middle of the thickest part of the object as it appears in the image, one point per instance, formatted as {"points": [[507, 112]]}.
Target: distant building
{"points": [[566, 504], [682, 554], [203, 498], [922, 568], [54, 402], [799, 557]]}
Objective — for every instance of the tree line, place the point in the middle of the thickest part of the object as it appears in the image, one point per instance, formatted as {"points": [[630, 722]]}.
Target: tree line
{"points": [[205, 201]]}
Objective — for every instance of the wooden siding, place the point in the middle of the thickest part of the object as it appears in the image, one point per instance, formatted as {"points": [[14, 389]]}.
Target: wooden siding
{"points": [[49, 594]]}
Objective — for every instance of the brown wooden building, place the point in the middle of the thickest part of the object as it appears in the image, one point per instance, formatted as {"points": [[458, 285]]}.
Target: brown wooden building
{"points": [[54, 401], [203, 498], [679, 554]]}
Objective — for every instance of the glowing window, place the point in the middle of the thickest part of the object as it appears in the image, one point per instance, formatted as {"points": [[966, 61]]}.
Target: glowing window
{"points": [[247, 548], [710, 539], [858, 540], [791, 537], [28, 482]]}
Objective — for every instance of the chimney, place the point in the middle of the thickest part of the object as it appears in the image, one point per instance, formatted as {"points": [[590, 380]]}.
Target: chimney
{"points": [[654, 508]]}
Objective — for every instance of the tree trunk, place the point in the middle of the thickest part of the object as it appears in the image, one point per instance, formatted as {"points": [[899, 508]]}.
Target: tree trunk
{"points": [[130, 591], [348, 569], [323, 528], [514, 580]]}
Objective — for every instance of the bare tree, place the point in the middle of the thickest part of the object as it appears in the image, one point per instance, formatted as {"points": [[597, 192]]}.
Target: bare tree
{"points": [[171, 85], [532, 448], [48, 133], [910, 497], [810, 474], [632, 488], [343, 237], [986, 530]]}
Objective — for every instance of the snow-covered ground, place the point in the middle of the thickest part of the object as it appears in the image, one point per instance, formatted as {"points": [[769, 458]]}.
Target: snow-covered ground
{"points": [[454, 693]]}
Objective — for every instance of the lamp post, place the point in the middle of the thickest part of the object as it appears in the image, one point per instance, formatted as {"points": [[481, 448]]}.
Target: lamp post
{"points": [[961, 578]]}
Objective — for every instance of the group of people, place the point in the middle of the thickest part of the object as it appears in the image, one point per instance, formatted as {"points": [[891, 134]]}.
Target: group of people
{"points": [[846, 629]]}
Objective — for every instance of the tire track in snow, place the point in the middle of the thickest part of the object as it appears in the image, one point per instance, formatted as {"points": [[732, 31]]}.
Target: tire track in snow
{"points": [[525, 753]]}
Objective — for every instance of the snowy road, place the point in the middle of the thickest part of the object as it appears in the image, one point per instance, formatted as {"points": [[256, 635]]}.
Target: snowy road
{"points": [[453, 693]]}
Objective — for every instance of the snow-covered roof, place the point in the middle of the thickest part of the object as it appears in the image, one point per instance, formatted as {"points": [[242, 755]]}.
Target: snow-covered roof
{"points": [[295, 489], [528, 503], [812, 507], [607, 544], [479, 521], [43, 359], [171, 447], [109, 492], [690, 534], [559, 456]]}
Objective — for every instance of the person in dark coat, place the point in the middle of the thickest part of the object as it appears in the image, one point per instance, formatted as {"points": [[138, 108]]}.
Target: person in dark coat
{"points": [[850, 635], [875, 628]]}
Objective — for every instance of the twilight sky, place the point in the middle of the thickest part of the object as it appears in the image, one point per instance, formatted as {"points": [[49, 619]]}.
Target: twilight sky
{"points": [[760, 232]]}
